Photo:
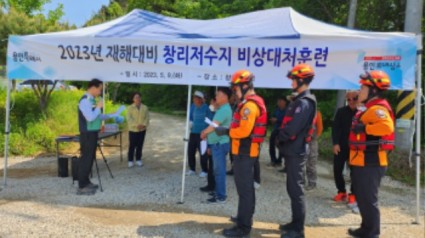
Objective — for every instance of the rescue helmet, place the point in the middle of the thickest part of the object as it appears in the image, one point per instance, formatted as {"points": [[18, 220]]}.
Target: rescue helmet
{"points": [[241, 77], [376, 78], [301, 71]]}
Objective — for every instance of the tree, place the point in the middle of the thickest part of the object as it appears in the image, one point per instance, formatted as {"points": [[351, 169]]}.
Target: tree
{"points": [[17, 22], [43, 92], [106, 13], [26, 6]]}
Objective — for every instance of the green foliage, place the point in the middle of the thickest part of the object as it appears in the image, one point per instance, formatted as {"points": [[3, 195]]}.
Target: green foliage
{"points": [[17, 22], [106, 13], [34, 132], [28, 7], [325, 144], [56, 14]]}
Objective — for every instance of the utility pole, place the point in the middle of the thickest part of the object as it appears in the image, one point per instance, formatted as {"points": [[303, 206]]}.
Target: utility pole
{"points": [[413, 23], [340, 98]]}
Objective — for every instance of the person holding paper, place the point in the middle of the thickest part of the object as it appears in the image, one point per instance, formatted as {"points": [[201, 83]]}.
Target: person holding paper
{"points": [[210, 187], [219, 143], [138, 121]]}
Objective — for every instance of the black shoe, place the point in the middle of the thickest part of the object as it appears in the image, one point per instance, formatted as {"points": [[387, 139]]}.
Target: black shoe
{"points": [[234, 219], [293, 234], [286, 227], [230, 172], [212, 194], [310, 187], [206, 189], [283, 170], [236, 231], [86, 191], [356, 232], [215, 200], [93, 186]]}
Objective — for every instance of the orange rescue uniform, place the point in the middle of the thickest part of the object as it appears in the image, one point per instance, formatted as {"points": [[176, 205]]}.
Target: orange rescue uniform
{"points": [[378, 122], [241, 140]]}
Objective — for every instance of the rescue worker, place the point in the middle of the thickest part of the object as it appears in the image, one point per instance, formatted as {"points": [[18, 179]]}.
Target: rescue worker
{"points": [[247, 132], [370, 139], [295, 133]]}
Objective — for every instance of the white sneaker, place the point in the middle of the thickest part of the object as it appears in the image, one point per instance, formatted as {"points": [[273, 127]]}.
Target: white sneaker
{"points": [[256, 185], [139, 163], [190, 173], [203, 174], [130, 164]]}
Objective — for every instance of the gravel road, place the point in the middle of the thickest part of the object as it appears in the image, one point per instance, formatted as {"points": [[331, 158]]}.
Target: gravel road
{"points": [[142, 202]]}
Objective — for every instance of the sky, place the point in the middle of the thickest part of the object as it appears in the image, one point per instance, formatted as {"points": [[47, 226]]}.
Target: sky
{"points": [[76, 11]]}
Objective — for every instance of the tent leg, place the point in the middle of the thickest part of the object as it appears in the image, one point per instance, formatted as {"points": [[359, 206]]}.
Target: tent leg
{"points": [[418, 133], [6, 132], [186, 139]]}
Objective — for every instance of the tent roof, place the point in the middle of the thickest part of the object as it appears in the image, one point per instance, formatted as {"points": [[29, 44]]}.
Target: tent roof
{"points": [[146, 47], [252, 25]]}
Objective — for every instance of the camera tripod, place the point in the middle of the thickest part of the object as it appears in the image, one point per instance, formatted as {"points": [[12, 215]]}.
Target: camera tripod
{"points": [[97, 167]]}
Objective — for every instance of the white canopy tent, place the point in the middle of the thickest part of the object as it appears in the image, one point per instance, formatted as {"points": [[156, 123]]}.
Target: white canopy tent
{"points": [[144, 47]]}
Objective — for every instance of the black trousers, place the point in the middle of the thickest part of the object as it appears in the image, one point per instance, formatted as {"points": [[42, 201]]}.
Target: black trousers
{"points": [[294, 186], [366, 182], [137, 139], [339, 162], [272, 148], [195, 145], [243, 167], [257, 173], [211, 177], [88, 145]]}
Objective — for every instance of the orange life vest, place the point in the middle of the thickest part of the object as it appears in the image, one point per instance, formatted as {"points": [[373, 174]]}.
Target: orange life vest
{"points": [[260, 127], [359, 142]]}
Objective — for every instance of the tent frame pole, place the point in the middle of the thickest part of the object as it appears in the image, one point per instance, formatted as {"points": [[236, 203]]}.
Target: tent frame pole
{"points": [[6, 133], [418, 127], [186, 140]]}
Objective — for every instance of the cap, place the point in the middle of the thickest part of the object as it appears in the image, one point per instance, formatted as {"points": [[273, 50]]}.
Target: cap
{"points": [[199, 94]]}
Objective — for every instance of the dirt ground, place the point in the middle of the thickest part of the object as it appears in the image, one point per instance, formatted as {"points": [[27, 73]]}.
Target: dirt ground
{"points": [[142, 202]]}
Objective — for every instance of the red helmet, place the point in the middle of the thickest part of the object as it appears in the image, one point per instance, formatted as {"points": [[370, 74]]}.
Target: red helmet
{"points": [[301, 71], [376, 78], [242, 76]]}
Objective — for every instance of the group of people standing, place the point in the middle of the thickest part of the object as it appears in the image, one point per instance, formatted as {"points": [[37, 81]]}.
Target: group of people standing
{"points": [[361, 135]]}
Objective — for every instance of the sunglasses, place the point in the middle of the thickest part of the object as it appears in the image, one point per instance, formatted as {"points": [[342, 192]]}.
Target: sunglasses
{"points": [[352, 99]]}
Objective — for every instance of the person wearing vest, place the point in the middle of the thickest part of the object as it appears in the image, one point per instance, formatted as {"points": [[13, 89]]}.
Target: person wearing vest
{"points": [[340, 131], [90, 121], [313, 154], [219, 144], [371, 138], [294, 135], [247, 132], [137, 121]]}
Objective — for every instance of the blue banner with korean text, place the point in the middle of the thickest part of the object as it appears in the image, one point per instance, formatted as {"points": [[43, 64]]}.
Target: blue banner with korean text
{"points": [[337, 61]]}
